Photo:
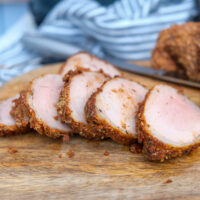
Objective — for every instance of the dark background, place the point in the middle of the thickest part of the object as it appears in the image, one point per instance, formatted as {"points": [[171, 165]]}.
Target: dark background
{"points": [[41, 7]]}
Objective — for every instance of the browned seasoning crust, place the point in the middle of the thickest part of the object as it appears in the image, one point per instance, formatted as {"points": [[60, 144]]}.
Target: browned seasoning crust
{"points": [[177, 51], [106, 153], [101, 125], [12, 150], [70, 153], [9, 130], [168, 181], [154, 149], [39, 125], [65, 112], [20, 112], [136, 147]]}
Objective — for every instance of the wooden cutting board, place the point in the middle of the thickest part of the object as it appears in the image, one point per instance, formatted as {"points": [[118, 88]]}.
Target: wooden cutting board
{"points": [[42, 169]]}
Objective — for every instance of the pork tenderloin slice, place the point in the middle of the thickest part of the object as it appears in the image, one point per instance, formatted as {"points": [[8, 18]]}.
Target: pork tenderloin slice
{"points": [[112, 109], [7, 122], [85, 60], [75, 93], [20, 112], [168, 124], [43, 95]]}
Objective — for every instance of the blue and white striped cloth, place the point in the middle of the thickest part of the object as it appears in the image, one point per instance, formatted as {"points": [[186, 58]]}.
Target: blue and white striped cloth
{"points": [[127, 29]]}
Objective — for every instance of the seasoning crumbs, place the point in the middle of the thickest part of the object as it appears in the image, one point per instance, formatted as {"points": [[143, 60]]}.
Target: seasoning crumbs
{"points": [[65, 138], [70, 154], [106, 153], [12, 150], [168, 181]]}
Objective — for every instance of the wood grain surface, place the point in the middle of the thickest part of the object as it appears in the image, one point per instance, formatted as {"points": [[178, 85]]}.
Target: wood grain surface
{"points": [[42, 169]]}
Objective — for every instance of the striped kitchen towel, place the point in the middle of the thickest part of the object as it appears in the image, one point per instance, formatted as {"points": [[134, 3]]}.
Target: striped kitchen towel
{"points": [[126, 29]]}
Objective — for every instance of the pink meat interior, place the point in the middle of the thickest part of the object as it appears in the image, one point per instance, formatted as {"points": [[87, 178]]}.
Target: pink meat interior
{"points": [[87, 61], [171, 117], [118, 103], [46, 91], [81, 88], [5, 108]]}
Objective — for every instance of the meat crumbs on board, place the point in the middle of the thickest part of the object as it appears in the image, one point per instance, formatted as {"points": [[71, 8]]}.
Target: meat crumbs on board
{"points": [[70, 154], [106, 153], [12, 150], [66, 138], [168, 181], [136, 148]]}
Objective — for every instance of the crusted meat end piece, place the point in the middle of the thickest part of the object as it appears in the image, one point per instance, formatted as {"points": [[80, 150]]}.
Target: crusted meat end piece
{"points": [[75, 93], [7, 122], [20, 112], [112, 109], [177, 51], [42, 96], [168, 124], [84, 60]]}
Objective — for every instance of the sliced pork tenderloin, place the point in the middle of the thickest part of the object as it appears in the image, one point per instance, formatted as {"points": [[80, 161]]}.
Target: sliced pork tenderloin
{"points": [[84, 60], [20, 112], [42, 97], [168, 124], [79, 86], [7, 122], [112, 109]]}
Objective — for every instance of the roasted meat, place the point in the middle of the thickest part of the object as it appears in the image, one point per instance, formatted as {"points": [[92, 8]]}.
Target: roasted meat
{"points": [[84, 60], [112, 109], [79, 86], [7, 122], [20, 112], [177, 51], [168, 124], [42, 96]]}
